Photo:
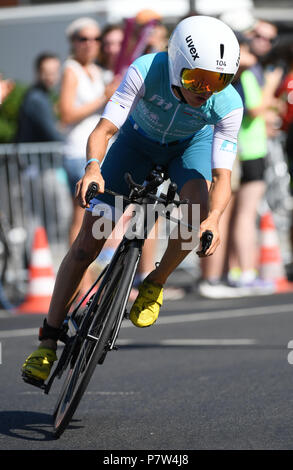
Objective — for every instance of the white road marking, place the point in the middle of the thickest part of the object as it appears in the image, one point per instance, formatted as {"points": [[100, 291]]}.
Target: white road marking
{"points": [[18, 333], [40, 392], [5, 314], [193, 342], [207, 342], [221, 314], [184, 318]]}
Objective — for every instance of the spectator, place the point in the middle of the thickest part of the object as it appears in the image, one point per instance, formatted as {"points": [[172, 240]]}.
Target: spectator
{"points": [[37, 122], [111, 42], [84, 92], [158, 39], [262, 36], [258, 90], [239, 248], [82, 98], [6, 87], [214, 269], [138, 31], [285, 92]]}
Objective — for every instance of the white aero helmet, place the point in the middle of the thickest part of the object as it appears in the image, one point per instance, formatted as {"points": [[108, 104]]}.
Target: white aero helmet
{"points": [[203, 54]]}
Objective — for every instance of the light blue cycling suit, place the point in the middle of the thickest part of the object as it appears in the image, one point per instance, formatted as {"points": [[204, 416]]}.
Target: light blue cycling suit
{"points": [[157, 128]]}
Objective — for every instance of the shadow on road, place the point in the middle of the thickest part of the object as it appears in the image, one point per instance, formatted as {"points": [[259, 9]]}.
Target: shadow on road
{"points": [[28, 425]]}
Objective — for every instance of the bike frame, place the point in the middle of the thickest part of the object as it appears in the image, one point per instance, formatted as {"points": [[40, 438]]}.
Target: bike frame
{"points": [[126, 243]]}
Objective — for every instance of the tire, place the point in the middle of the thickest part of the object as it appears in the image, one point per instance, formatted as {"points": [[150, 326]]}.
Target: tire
{"points": [[99, 322]]}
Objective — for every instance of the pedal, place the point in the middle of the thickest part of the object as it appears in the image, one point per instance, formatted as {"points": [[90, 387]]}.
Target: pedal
{"points": [[32, 381]]}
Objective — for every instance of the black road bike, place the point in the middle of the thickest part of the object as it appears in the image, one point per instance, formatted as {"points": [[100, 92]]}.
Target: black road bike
{"points": [[90, 332]]}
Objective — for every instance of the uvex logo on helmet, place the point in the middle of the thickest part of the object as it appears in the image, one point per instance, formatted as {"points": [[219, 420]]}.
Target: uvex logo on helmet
{"points": [[197, 42], [192, 49]]}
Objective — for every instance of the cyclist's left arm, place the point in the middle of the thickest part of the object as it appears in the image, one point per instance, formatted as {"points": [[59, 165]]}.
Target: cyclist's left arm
{"points": [[223, 156]]}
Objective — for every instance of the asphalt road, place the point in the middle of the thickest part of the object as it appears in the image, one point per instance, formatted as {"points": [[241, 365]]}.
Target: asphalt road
{"points": [[208, 375]]}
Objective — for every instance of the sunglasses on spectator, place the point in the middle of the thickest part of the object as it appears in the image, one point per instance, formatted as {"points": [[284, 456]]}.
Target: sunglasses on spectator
{"points": [[85, 39]]}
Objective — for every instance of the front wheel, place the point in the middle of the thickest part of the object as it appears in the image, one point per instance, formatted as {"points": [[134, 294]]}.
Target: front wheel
{"points": [[92, 339]]}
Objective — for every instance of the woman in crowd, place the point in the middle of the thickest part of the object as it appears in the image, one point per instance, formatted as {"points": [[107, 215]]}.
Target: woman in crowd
{"points": [[82, 98], [84, 93]]}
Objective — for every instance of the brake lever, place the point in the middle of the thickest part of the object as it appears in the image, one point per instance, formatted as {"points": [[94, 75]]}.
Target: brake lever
{"points": [[171, 193], [153, 184], [130, 182], [206, 241], [92, 191]]}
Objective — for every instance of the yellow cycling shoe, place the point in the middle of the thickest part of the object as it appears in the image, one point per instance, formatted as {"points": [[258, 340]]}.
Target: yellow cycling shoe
{"points": [[37, 366], [146, 308]]}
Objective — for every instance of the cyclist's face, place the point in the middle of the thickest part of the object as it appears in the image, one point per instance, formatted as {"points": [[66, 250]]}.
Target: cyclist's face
{"points": [[195, 99]]}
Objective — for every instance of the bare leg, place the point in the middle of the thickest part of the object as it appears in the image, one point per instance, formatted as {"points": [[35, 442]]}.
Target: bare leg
{"points": [[196, 191], [245, 234], [83, 251], [214, 267], [77, 220], [147, 261]]}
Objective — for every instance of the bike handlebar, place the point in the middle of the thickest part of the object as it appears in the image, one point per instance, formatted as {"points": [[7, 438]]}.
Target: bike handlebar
{"points": [[206, 241], [140, 190], [92, 191]]}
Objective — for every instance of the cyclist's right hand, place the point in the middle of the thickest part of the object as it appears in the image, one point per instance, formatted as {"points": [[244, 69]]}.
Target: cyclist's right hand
{"points": [[91, 175]]}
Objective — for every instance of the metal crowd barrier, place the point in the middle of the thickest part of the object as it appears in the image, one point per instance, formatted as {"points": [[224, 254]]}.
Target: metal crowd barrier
{"points": [[34, 189]]}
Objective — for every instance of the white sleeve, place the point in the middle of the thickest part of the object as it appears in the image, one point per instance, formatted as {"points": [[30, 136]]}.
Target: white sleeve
{"points": [[225, 140], [125, 98]]}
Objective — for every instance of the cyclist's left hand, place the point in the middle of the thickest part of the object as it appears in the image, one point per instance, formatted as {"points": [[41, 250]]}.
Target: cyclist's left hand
{"points": [[210, 223], [91, 175]]}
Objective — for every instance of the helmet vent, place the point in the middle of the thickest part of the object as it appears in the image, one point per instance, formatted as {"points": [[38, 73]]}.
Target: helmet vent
{"points": [[222, 50]]}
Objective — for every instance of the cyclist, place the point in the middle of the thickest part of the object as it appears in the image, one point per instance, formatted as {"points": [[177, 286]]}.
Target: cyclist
{"points": [[174, 108]]}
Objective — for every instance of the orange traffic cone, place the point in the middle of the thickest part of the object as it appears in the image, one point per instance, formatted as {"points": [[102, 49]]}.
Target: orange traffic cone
{"points": [[41, 276], [271, 266]]}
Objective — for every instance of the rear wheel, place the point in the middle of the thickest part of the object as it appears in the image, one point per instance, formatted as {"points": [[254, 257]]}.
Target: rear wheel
{"points": [[91, 343]]}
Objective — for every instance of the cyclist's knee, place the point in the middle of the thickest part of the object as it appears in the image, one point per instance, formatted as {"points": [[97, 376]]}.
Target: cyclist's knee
{"points": [[81, 255], [84, 251]]}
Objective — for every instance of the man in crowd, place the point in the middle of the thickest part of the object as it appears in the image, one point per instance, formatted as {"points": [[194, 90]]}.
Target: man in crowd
{"points": [[37, 122]]}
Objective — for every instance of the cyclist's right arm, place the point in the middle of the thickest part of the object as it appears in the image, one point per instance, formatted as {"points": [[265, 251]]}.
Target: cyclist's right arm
{"points": [[96, 150], [115, 114]]}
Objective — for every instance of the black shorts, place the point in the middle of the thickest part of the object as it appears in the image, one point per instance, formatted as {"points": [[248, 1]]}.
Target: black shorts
{"points": [[252, 170]]}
